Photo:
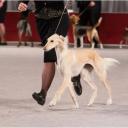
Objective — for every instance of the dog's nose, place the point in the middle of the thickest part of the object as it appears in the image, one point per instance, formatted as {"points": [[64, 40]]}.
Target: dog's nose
{"points": [[44, 48]]}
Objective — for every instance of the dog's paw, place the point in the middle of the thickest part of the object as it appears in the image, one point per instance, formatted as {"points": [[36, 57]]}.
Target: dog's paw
{"points": [[52, 103], [90, 103], [109, 101], [76, 106]]}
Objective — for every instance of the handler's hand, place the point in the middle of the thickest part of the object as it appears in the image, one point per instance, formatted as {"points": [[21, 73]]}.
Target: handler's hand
{"points": [[22, 7], [92, 4], [1, 3]]}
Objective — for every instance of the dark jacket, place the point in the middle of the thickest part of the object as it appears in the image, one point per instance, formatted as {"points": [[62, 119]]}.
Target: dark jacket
{"points": [[46, 3]]}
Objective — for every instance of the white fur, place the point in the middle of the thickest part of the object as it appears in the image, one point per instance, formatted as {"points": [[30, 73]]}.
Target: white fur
{"points": [[79, 61], [108, 62]]}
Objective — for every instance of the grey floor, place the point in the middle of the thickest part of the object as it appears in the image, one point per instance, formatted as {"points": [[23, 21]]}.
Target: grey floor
{"points": [[20, 75]]}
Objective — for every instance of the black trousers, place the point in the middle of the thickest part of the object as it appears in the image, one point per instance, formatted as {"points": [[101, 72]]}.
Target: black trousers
{"points": [[46, 28], [3, 12]]}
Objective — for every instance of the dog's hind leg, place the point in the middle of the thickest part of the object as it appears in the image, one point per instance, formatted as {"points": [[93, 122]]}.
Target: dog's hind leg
{"points": [[86, 75], [75, 41], [107, 86], [109, 100], [121, 43], [103, 77], [96, 36], [81, 42], [90, 37]]}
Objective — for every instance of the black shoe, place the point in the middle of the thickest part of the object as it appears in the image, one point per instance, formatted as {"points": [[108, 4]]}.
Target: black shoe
{"points": [[77, 85], [3, 43], [39, 97], [19, 44]]}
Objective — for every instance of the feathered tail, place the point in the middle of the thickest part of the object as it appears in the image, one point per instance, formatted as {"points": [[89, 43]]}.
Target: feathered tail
{"points": [[108, 62]]}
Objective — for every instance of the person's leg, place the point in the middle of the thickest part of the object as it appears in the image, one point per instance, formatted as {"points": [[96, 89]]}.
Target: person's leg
{"points": [[47, 75], [47, 78], [95, 13], [2, 26], [2, 33], [30, 35], [20, 33]]}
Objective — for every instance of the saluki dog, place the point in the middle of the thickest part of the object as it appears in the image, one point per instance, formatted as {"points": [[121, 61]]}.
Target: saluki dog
{"points": [[91, 32], [79, 61]]}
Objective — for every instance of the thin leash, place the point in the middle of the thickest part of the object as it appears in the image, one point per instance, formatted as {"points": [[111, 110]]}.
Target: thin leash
{"points": [[58, 27], [83, 11], [61, 16]]}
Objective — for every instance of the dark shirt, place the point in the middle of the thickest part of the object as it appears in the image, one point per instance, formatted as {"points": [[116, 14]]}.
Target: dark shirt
{"points": [[83, 5], [45, 3], [89, 15]]}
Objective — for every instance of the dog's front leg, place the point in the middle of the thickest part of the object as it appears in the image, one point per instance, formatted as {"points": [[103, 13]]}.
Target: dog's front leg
{"points": [[72, 94], [75, 41], [59, 92], [81, 41]]}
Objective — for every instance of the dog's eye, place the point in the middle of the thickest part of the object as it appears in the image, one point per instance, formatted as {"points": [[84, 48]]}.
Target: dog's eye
{"points": [[52, 41]]}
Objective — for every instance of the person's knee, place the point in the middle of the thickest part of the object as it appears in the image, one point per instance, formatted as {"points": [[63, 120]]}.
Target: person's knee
{"points": [[50, 56]]}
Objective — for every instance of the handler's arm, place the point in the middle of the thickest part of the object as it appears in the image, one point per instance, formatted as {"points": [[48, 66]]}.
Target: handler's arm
{"points": [[1, 3]]}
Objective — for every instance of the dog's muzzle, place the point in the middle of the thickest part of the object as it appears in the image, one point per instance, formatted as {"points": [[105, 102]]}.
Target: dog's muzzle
{"points": [[44, 48]]}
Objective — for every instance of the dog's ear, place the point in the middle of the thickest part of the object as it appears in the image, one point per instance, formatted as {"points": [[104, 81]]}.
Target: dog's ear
{"points": [[62, 38]]}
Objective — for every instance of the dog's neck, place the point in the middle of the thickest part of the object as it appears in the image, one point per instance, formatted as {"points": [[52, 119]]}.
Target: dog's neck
{"points": [[62, 48], [61, 51]]}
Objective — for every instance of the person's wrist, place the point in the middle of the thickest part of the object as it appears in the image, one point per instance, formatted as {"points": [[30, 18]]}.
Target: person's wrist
{"points": [[1, 4], [92, 3]]}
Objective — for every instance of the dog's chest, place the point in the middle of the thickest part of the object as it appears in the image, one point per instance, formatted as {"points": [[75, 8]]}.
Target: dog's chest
{"points": [[70, 65], [76, 69]]}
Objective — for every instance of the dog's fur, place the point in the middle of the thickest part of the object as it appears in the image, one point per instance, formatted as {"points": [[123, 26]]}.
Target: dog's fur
{"points": [[125, 37], [91, 32], [79, 61], [24, 29]]}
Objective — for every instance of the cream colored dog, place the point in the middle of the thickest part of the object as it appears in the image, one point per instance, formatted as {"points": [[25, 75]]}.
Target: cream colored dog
{"points": [[73, 62]]}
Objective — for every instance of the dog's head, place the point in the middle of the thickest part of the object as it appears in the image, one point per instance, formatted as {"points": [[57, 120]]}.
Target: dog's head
{"points": [[54, 41], [74, 19]]}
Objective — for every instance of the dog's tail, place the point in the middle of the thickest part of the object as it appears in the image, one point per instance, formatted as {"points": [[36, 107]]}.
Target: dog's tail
{"points": [[108, 62], [98, 23]]}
